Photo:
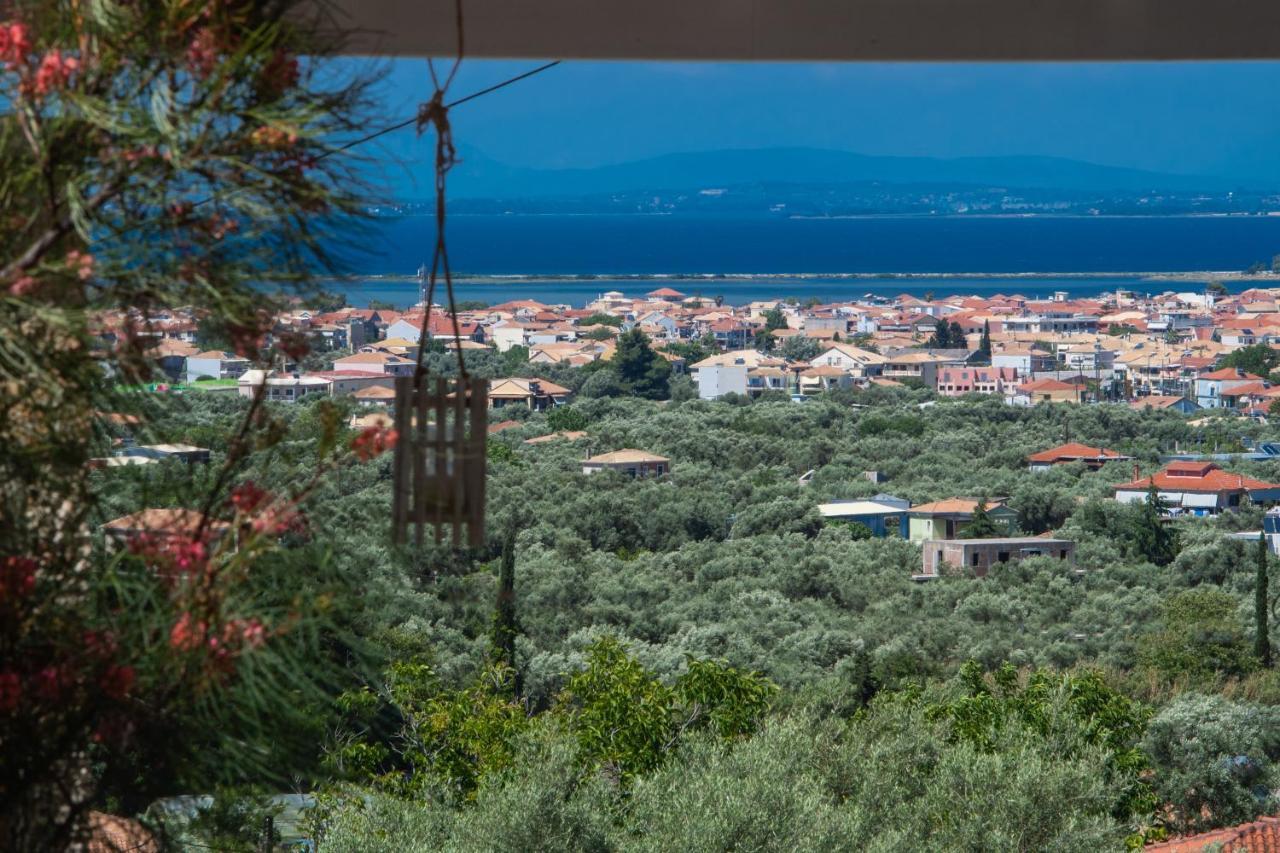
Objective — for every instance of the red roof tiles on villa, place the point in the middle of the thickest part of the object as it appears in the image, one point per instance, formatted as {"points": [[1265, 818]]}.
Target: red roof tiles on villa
{"points": [[1072, 451], [1196, 477], [1260, 836]]}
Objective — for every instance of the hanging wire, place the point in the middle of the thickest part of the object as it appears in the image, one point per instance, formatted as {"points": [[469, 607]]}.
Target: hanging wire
{"points": [[435, 114], [347, 146]]}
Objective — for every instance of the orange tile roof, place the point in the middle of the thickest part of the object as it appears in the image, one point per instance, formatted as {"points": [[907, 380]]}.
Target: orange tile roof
{"points": [[1049, 385], [113, 834], [1155, 402], [172, 521], [953, 506], [1074, 450], [1229, 373], [1260, 836], [1190, 476]]}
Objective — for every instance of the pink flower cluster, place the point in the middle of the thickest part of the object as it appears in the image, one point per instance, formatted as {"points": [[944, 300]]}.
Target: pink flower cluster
{"points": [[172, 557], [373, 441], [15, 44], [54, 72], [81, 263], [190, 634], [248, 496], [23, 285], [202, 53]]}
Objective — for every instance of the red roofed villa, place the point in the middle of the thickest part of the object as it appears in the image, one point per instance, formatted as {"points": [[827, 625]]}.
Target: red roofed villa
{"points": [[1093, 457], [1197, 488]]}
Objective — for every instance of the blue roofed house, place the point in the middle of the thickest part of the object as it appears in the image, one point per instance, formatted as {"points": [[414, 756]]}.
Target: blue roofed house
{"points": [[883, 515]]}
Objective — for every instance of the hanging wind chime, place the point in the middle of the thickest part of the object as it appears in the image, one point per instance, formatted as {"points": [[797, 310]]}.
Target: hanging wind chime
{"points": [[442, 424]]}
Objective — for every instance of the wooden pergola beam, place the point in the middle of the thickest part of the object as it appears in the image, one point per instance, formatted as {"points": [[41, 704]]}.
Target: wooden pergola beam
{"points": [[809, 30]]}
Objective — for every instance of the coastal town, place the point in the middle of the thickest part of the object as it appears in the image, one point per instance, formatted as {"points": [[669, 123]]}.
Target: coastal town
{"points": [[1200, 355], [1163, 351]]}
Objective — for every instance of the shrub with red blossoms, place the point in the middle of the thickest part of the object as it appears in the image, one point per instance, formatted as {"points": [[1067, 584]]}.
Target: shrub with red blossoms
{"points": [[54, 72], [136, 183], [373, 441], [17, 578], [248, 496], [202, 53], [15, 44]]}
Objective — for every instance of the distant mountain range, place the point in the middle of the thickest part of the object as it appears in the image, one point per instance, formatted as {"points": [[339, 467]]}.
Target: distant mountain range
{"points": [[477, 176]]}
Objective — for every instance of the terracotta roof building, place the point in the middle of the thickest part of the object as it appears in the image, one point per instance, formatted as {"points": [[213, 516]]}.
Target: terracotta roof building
{"points": [[631, 462], [1093, 457], [1197, 488], [1260, 836]]}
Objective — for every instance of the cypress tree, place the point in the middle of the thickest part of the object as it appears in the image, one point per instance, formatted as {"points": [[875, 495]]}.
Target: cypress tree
{"points": [[1262, 641], [981, 526], [1149, 538], [984, 347], [506, 624]]}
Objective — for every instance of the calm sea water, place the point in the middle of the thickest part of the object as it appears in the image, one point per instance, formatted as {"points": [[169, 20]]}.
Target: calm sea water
{"points": [[613, 248]]}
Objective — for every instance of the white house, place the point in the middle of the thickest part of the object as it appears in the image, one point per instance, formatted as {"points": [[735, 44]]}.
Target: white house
{"points": [[379, 363], [853, 360], [215, 364]]}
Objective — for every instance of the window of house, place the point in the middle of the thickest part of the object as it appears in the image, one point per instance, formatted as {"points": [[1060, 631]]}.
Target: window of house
{"points": [[1002, 557], [973, 559]]}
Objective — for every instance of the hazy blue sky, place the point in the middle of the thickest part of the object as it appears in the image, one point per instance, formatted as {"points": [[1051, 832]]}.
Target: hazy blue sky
{"points": [[1192, 118]]}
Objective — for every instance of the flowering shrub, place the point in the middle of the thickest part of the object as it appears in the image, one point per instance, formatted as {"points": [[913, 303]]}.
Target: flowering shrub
{"points": [[157, 153]]}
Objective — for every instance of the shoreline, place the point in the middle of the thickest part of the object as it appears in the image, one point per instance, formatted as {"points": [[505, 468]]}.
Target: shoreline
{"points": [[1167, 275]]}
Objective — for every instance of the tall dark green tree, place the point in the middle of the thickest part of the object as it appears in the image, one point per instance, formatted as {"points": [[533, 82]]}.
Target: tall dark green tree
{"points": [[1262, 637], [1259, 359], [981, 527], [641, 370], [984, 347], [774, 319], [941, 338], [1151, 539], [506, 623]]}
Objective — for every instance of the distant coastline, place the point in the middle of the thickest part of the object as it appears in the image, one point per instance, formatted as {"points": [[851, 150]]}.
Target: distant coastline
{"points": [[512, 278]]}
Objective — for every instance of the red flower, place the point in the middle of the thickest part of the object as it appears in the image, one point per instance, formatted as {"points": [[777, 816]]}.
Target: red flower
{"points": [[188, 555], [15, 44], [278, 522], [247, 633], [10, 691], [81, 263], [99, 644], [118, 681], [54, 72], [22, 285], [17, 577], [248, 496], [202, 53], [280, 73], [187, 634], [373, 441], [50, 681]]}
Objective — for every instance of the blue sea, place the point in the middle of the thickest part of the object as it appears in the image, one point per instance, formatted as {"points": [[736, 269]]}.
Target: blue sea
{"points": [[572, 259]]}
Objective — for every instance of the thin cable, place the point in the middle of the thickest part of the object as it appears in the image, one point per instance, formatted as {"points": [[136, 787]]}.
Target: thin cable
{"points": [[401, 125], [347, 146]]}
